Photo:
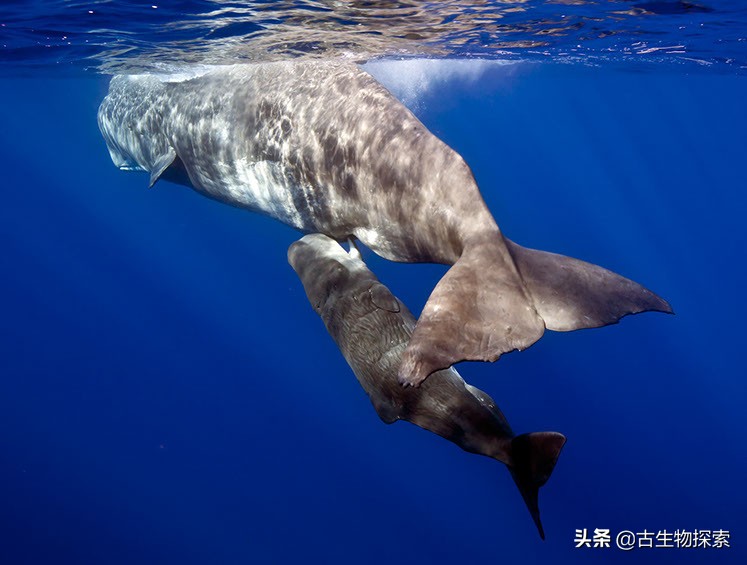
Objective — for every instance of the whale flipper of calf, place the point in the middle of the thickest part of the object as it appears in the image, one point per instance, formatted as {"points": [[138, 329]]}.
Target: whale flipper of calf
{"points": [[372, 329], [323, 147]]}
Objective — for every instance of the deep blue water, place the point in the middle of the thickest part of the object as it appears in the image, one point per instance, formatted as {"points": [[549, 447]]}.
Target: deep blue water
{"points": [[167, 394]]}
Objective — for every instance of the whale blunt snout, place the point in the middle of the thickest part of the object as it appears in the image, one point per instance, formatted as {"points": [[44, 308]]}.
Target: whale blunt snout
{"points": [[311, 248]]}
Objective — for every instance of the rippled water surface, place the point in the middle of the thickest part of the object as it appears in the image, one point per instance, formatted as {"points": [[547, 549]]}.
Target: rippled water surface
{"points": [[124, 36]]}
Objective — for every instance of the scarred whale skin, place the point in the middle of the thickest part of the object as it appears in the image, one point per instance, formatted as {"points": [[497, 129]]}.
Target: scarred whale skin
{"points": [[323, 147], [372, 329]]}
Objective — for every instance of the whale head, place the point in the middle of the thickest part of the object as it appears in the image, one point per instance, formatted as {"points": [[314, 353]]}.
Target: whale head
{"points": [[327, 271], [131, 121]]}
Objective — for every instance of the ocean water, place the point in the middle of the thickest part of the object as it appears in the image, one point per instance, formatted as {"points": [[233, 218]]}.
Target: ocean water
{"points": [[167, 394]]}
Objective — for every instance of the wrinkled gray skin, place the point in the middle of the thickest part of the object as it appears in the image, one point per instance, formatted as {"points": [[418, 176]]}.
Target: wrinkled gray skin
{"points": [[323, 147], [372, 329]]}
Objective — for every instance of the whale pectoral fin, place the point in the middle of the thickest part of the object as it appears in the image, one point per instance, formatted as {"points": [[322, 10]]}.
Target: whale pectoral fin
{"points": [[478, 311], [161, 164], [571, 294], [383, 298]]}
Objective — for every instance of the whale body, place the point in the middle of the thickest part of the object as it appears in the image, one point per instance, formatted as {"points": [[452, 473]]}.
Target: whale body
{"points": [[372, 329], [323, 147]]}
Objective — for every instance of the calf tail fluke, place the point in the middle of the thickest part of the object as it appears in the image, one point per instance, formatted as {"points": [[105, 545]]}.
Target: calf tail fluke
{"points": [[533, 459]]}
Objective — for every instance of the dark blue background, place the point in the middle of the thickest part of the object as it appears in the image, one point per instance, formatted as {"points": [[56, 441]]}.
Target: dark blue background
{"points": [[167, 395]]}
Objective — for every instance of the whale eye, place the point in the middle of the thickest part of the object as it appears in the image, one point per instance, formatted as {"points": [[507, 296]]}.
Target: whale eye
{"points": [[332, 279], [382, 297]]}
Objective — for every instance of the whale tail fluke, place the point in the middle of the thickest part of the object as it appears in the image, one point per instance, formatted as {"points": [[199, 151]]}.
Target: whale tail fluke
{"points": [[479, 310], [571, 294], [534, 456], [499, 297]]}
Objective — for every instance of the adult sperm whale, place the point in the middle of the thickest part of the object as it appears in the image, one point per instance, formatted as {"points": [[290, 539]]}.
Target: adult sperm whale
{"points": [[372, 328], [322, 146]]}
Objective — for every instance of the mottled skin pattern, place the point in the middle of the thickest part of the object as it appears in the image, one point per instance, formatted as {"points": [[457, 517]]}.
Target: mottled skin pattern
{"points": [[343, 149], [323, 147], [372, 329]]}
